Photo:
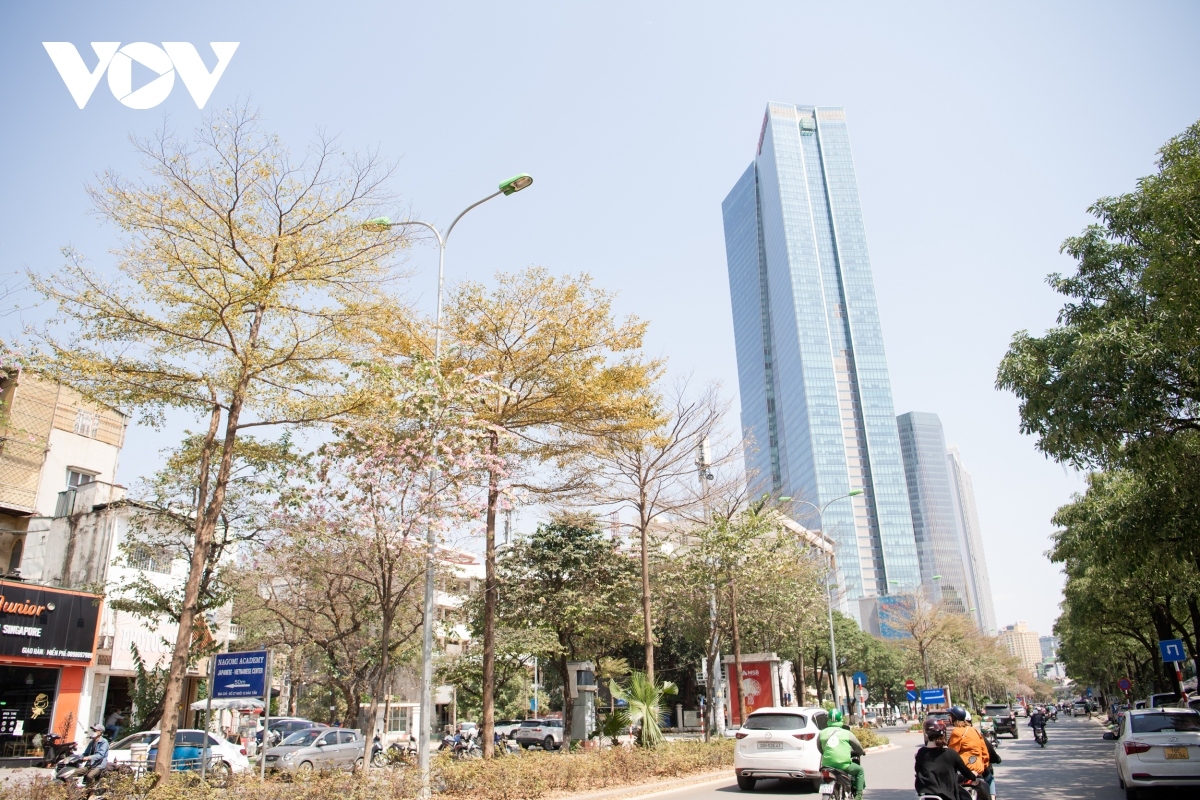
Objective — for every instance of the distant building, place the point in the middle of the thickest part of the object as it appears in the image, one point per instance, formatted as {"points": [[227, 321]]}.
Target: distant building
{"points": [[815, 391], [1022, 643], [980, 585], [1049, 645], [940, 544]]}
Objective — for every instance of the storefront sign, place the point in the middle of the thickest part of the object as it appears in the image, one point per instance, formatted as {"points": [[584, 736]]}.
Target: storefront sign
{"points": [[47, 625], [240, 674], [757, 684]]}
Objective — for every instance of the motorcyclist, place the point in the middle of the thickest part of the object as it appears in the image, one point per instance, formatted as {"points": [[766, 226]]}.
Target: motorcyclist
{"points": [[1037, 721], [970, 745], [940, 771], [837, 746], [96, 753]]}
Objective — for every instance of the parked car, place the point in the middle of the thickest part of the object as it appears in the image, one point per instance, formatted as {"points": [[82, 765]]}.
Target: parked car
{"points": [[505, 727], [779, 743], [1002, 715], [1156, 747], [284, 727], [189, 744], [545, 732], [1079, 710], [317, 749]]}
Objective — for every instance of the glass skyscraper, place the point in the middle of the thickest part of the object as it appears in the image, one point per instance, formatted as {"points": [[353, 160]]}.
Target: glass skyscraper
{"points": [[968, 520], [941, 543], [816, 398]]}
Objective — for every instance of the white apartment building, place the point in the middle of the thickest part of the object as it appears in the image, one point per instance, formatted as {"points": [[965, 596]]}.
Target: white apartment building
{"points": [[1022, 643]]}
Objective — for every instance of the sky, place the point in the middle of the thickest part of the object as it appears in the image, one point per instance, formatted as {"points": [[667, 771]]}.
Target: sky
{"points": [[981, 134]]}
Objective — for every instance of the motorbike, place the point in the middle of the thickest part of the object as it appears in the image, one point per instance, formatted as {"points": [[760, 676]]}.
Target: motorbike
{"points": [[987, 726], [1039, 736], [461, 746], [393, 755], [837, 784], [968, 787], [73, 771], [55, 748], [1053, 714]]}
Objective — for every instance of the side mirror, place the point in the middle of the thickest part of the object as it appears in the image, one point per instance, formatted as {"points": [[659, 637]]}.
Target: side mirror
{"points": [[320, 743], [1110, 736]]}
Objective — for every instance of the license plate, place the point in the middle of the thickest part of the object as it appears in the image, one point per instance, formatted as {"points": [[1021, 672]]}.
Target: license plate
{"points": [[1176, 752], [774, 746], [827, 788]]}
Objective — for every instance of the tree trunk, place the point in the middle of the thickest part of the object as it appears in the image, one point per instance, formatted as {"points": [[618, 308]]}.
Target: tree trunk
{"points": [[380, 688], [647, 623], [568, 707], [205, 528], [737, 650], [800, 687], [491, 599]]}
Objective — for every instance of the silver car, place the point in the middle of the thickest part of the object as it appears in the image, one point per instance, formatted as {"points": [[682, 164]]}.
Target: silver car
{"points": [[317, 749]]}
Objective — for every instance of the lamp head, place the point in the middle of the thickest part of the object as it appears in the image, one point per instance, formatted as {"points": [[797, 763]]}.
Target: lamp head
{"points": [[855, 493], [378, 223], [516, 184]]}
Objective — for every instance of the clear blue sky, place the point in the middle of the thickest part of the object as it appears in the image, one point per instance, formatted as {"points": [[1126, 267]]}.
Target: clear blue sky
{"points": [[980, 137]]}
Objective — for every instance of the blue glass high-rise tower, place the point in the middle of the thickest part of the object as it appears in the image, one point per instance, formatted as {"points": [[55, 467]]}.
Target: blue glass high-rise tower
{"points": [[816, 397]]}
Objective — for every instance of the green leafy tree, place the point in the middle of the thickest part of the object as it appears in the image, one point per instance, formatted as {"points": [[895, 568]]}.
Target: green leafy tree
{"points": [[567, 578]]}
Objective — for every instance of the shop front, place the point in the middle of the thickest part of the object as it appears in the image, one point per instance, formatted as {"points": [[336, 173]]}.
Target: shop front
{"points": [[47, 642]]}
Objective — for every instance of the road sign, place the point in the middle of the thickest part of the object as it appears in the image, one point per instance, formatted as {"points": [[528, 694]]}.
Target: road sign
{"points": [[860, 679], [1089, 691], [240, 674], [912, 695], [910, 684], [933, 697], [1172, 650], [1124, 684]]}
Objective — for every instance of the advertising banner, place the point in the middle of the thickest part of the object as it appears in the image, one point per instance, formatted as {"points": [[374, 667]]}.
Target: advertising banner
{"points": [[48, 625], [757, 685]]}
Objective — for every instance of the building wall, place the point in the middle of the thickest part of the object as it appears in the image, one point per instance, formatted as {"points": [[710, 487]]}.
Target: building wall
{"points": [[811, 365], [1022, 643], [935, 521]]}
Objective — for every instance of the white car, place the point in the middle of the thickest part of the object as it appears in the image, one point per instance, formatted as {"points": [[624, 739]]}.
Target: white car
{"points": [[1157, 747], [187, 742], [545, 732], [505, 727], [779, 743]]}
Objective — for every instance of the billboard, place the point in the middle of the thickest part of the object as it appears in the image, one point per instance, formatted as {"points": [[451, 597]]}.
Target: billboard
{"points": [[48, 625]]}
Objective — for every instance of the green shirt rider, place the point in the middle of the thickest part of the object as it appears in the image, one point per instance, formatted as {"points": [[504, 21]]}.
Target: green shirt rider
{"points": [[837, 744]]}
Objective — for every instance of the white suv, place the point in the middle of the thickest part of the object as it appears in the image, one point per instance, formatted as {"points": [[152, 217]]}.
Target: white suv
{"points": [[779, 743], [545, 732]]}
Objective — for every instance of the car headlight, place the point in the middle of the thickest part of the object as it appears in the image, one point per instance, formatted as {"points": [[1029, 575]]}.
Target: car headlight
{"points": [[288, 757]]}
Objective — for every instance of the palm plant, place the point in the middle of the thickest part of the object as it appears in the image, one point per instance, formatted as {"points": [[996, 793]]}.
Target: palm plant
{"points": [[611, 669], [645, 699], [615, 722]]}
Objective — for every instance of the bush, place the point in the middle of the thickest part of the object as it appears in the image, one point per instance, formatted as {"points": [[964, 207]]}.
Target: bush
{"points": [[529, 775], [867, 737]]}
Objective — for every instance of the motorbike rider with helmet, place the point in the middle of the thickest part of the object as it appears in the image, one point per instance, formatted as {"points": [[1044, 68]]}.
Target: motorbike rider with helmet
{"points": [[838, 746], [1037, 721], [96, 753], [970, 745], [940, 771]]}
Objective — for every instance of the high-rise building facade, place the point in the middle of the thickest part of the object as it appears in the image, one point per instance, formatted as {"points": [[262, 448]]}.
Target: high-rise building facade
{"points": [[972, 536], [816, 397], [1022, 643], [941, 546]]}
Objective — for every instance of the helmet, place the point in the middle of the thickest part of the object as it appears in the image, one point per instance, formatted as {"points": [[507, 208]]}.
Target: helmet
{"points": [[835, 718], [958, 713], [935, 728]]}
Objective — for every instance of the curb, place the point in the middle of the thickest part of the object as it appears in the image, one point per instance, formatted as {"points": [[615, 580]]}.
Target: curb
{"points": [[880, 747], [658, 787]]}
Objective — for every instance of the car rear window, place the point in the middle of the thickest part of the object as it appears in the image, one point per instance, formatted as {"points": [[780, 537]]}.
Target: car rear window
{"points": [[775, 722], [531, 723], [993, 710], [1153, 723]]}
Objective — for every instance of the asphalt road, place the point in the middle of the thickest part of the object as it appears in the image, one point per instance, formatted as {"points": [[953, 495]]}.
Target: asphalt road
{"points": [[1076, 764]]}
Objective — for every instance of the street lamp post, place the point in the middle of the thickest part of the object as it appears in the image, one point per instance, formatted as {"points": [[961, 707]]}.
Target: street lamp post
{"points": [[829, 591], [510, 186]]}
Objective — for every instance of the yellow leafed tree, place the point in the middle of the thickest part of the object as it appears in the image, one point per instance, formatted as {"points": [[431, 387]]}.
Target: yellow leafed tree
{"points": [[243, 283]]}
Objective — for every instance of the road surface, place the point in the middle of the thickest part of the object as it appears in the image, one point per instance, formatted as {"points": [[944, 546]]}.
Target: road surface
{"points": [[1076, 764]]}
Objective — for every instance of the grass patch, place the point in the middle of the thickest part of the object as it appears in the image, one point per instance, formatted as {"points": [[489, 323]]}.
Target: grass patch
{"points": [[869, 737]]}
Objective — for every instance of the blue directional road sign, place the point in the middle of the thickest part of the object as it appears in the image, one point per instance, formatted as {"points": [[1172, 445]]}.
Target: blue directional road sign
{"points": [[1171, 649], [912, 695], [240, 674], [860, 679], [933, 697]]}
